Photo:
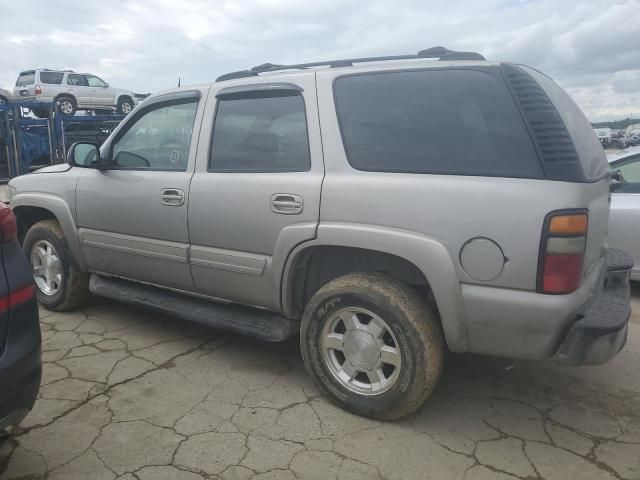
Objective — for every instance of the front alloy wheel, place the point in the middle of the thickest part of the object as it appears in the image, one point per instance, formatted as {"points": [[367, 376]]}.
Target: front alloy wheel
{"points": [[47, 267], [61, 284]]}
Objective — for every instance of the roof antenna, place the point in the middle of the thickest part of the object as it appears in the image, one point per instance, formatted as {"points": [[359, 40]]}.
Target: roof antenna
{"points": [[178, 82]]}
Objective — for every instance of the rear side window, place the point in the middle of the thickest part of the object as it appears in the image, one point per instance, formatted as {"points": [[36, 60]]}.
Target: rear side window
{"points": [[592, 157], [452, 122], [255, 133], [26, 79], [54, 78], [77, 80]]}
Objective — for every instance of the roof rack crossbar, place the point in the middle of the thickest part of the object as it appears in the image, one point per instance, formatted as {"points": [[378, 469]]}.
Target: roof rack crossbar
{"points": [[435, 52]]}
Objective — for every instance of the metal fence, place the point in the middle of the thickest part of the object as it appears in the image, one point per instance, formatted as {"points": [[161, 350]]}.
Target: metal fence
{"points": [[28, 143]]}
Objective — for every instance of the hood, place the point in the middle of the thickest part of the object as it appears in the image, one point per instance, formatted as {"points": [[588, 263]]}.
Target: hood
{"points": [[59, 168]]}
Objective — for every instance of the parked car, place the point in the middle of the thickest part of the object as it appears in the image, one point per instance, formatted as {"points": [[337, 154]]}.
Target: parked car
{"points": [[604, 135], [624, 219], [6, 97], [385, 209], [630, 139], [20, 364], [72, 91]]}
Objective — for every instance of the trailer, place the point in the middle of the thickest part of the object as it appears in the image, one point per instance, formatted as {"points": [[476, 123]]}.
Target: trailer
{"points": [[28, 143]]}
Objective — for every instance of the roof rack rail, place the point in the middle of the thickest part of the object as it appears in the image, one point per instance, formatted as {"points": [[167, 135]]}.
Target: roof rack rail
{"points": [[440, 53]]}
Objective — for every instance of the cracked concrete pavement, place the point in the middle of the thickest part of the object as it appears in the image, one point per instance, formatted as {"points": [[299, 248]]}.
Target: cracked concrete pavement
{"points": [[129, 394]]}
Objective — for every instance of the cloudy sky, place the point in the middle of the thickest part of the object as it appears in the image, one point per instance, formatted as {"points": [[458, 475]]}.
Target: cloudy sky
{"points": [[591, 47]]}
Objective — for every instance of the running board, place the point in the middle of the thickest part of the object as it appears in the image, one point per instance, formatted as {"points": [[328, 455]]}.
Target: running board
{"points": [[233, 318]]}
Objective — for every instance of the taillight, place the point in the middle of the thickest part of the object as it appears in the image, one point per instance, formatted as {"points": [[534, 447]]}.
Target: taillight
{"points": [[16, 298], [37, 90], [8, 226], [564, 239]]}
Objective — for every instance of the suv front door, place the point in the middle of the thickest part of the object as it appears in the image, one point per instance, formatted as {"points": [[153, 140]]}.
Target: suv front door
{"points": [[132, 218], [101, 94], [624, 216], [258, 195]]}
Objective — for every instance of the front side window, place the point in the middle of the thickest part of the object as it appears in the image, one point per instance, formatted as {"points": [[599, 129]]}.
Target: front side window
{"points": [[157, 140], [260, 133], [94, 81], [630, 170], [52, 78], [449, 122], [76, 80]]}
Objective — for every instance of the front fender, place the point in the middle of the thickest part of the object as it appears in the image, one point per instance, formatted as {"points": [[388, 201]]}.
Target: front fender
{"points": [[60, 209], [427, 254]]}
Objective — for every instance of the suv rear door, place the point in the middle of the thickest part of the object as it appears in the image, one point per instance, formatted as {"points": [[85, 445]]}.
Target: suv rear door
{"points": [[256, 191], [132, 218]]}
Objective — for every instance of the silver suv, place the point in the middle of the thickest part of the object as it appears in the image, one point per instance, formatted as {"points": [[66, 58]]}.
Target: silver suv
{"points": [[386, 209], [72, 91]]}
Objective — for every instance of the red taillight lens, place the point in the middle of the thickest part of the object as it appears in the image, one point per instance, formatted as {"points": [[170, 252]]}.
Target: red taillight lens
{"points": [[16, 298], [562, 273], [37, 90], [8, 226], [562, 252]]}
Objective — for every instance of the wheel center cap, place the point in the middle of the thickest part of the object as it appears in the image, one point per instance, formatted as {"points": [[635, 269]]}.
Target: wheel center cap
{"points": [[361, 350]]}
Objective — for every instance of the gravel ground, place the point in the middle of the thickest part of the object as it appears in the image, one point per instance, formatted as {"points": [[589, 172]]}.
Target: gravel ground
{"points": [[128, 394]]}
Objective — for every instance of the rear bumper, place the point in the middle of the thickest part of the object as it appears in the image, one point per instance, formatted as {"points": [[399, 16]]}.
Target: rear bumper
{"points": [[529, 325], [20, 365], [601, 330]]}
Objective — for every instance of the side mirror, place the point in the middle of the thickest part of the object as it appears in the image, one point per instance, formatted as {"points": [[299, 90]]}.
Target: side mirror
{"points": [[106, 85], [617, 180], [85, 155]]}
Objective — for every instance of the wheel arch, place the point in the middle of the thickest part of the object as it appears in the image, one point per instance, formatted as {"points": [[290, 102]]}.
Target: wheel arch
{"points": [[417, 260], [123, 96], [70, 95], [32, 208]]}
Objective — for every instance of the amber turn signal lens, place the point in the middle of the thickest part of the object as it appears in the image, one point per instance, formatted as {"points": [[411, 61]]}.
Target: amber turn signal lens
{"points": [[569, 224]]}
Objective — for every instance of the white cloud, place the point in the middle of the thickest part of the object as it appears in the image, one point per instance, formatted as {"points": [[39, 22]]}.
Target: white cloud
{"points": [[591, 48]]}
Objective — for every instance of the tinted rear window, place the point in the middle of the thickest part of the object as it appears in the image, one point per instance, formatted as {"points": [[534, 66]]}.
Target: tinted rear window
{"points": [[455, 122], [26, 79], [592, 157], [54, 78]]}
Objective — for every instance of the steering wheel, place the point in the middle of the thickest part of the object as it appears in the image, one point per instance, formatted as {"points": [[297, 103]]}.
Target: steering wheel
{"points": [[172, 152]]}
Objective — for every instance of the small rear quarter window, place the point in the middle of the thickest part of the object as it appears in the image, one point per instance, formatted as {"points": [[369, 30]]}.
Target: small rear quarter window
{"points": [[439, 121]]}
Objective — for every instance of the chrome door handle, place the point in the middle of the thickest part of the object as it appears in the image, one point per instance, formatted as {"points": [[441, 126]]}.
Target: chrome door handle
{"points": [[173, 197], [286, 204]]}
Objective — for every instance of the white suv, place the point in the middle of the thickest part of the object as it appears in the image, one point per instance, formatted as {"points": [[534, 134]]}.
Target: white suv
{"points": [[73, 91]]}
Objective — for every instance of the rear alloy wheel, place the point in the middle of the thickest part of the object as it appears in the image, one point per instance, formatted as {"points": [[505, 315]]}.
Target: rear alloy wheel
{"points": [[372, 344], [361, 351], [61, 285], [66, 105]]}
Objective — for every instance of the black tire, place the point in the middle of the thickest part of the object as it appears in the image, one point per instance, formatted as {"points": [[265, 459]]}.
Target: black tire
{"points": [[3, 99], [41, 112], [414, 324], [65, 100], [122, 106], [73, 290]]}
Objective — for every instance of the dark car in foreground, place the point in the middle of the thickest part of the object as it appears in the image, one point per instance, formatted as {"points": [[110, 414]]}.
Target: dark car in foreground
{"points": [[20, 362]]}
